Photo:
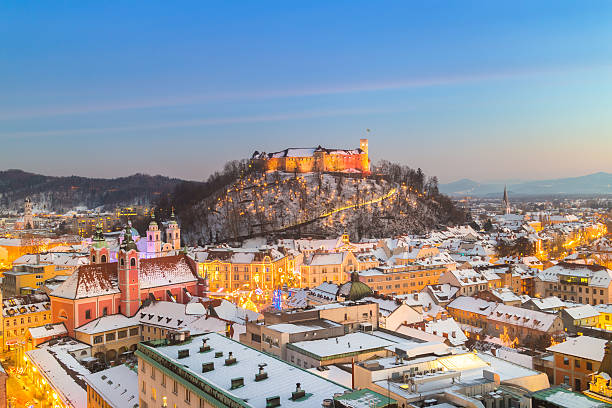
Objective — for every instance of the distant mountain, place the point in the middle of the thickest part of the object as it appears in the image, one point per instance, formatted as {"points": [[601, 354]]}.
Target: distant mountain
{"points": [[64, 193], [592, 184]]}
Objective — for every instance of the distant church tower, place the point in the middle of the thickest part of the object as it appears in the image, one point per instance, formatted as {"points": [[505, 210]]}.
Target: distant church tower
{"points": [[27, 214], [154, 244], [506, 202], [98, 252], [173, 233]]}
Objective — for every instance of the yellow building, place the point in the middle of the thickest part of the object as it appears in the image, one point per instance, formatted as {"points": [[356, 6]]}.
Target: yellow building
{"points": [[605, 316], [21, 313], [600, 386], [231, 270], [110, 336], [115, 387], [23, 279]]}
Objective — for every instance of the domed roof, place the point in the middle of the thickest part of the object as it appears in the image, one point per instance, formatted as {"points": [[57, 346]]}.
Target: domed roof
{"points": [[128, 242], [153, 222], [98, 240], [172, 218], [354, 289]]}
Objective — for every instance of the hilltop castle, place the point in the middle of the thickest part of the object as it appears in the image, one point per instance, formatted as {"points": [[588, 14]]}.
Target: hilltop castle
{"points": [[319, 159]]}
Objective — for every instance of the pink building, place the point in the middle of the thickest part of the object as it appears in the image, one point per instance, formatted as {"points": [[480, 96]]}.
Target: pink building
{"points": [[108, 288]]}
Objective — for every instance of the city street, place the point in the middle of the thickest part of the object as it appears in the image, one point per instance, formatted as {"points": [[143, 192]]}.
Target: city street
{"points": [[19, 395]]}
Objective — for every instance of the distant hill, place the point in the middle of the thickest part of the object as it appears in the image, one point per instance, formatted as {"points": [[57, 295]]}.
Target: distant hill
{"points": [[241, 203], [64, 193], [592, 184]]}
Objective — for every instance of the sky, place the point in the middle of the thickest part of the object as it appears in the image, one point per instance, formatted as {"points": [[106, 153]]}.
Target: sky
{"points": [[484, 90]]}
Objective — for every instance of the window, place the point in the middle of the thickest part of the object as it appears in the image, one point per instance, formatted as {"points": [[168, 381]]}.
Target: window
{"points": [[134, 331], [133, 262], [175, 388], [565, 361], [163, 381], [565, 380], [144, 387], [577, 384], [121, 334], [152, 373], [187, 396], [98, 340], [589, 365], [143, 368], [577, 363], [104, 311], [110, 336]]}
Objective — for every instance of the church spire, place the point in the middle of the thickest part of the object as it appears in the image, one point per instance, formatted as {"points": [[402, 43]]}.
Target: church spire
{"points": [[506, 201]]}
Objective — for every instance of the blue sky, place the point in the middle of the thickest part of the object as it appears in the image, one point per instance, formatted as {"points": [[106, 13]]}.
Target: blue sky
{"points": [[484, 90]]}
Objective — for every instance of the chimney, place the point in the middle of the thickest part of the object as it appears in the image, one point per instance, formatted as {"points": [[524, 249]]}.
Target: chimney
{"points": [[230, 360], [261, 375], [205, 347], [298, 393]]}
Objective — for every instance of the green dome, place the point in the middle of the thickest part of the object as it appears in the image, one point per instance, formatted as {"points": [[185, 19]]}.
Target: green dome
{"points": [[354, 289], [98, 240], [128, 242]]}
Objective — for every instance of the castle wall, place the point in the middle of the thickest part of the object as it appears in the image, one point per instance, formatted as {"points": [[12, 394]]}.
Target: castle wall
{"points": [[319, 162]]}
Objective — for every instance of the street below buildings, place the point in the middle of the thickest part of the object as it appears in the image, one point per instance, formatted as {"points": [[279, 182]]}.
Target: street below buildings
{"points": [[19, 395]]}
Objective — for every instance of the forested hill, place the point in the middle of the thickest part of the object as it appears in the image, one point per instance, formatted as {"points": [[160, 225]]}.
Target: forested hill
{"points": [[64, 193], [238, 203]]}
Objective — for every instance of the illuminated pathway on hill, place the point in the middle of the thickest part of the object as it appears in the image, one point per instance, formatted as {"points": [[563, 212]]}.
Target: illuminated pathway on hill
{"points": [[388, 195], [349, 207]]}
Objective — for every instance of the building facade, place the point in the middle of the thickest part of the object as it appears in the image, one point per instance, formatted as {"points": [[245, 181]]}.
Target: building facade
{"points": [[319, 159]]}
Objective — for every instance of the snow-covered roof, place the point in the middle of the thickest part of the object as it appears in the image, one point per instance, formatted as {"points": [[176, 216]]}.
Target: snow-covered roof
{"points": [[63, 373], [447, 328], [587, 347], [47, 330], [582, 312], [474, 305], [281, 381], [101, 279], [519, 316], [232, 313], [357, 342], [106, 323], [597, 275], [335, 258], [548, 303], [118, 386]]}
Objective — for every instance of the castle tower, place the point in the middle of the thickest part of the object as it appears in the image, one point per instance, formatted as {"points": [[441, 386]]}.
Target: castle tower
{"points": [[506, 202], [363, 145], [28, 223], [153, 238], [98, 252], [128, 267], [173, 233]]}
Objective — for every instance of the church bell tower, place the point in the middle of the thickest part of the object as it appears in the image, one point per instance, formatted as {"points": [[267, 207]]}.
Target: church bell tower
{"points": [[128, 266]]}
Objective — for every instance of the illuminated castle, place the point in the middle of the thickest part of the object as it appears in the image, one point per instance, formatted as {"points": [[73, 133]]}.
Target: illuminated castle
{"points": [[318, 159]]}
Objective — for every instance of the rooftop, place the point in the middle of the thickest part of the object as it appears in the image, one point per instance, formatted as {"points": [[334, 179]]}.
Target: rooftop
{"points": [[590, 348], [281, 376], [118, 386]]}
